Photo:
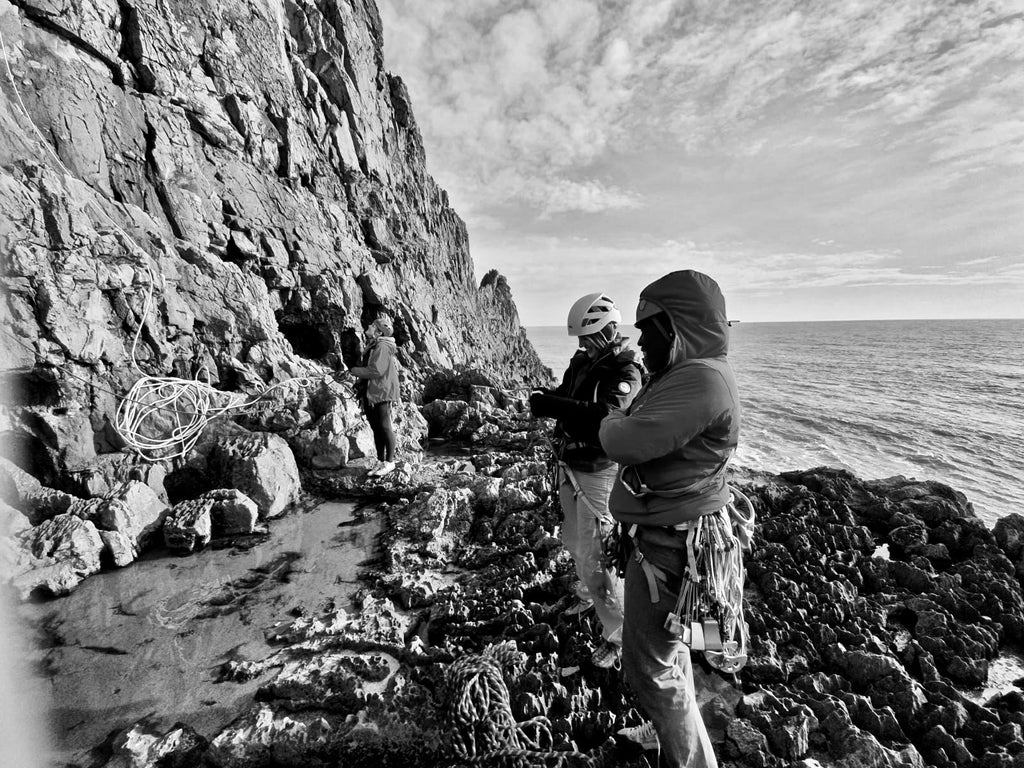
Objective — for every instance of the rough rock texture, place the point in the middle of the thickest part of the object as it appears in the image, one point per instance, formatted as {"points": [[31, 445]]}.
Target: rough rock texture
{"points": [[262, 467], [874, 608], [63, 551], [192, 524], [221, 189]]}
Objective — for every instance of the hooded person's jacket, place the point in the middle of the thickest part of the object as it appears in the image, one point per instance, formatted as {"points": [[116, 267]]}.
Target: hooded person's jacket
{"points": [[675, 439], [380, 370], [590, 390]]}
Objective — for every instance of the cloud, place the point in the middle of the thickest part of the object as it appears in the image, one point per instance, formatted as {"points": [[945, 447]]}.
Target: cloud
{"points": [[537, 88], [837, 144]]}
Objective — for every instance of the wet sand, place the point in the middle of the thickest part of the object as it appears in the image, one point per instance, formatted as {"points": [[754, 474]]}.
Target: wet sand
{"points": [[148, 641]]}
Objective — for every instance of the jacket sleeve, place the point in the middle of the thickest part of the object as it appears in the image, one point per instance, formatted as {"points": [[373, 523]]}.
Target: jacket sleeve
{"points": [[376, 366], [616, 390], [666, 420]]}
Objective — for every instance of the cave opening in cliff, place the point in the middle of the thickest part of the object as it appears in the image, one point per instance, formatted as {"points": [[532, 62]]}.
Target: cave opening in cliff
{"points": [[29, 453], [309, 340], [30, 388]]}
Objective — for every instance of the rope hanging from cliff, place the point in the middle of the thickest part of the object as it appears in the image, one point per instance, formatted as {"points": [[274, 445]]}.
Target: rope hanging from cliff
{"points": [[180, 409], [483, 729]]}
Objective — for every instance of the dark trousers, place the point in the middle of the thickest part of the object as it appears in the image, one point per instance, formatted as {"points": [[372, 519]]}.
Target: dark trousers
{"points": [[379, 416], [657, 665]]}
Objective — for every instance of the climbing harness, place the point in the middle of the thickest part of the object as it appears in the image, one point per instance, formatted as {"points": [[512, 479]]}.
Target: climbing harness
{"points": [[478, 710], [708, 615]]}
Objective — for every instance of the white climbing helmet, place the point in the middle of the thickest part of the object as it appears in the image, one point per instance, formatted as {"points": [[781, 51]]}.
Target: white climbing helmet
{"points": [[591, 313]]}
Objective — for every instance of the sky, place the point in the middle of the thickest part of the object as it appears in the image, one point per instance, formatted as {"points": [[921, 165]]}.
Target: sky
{"points": [[825, 160]]}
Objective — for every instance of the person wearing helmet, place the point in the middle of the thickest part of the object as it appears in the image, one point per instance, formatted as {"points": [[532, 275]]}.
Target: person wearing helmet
{"points": [[380, 391], [602, 375], [674, 442]]}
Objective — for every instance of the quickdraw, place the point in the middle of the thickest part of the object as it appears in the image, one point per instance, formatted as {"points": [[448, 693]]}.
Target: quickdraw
{"points": [[708, 614]]}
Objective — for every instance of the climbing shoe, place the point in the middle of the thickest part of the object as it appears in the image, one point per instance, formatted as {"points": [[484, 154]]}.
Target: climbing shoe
{"points": [[607, 655], [582, 605], [643, 734], [383, 469]]}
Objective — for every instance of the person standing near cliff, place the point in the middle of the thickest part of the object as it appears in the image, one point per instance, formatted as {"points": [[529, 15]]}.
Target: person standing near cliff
{"points": [[603, 375], [674, 443], [379, 371]]}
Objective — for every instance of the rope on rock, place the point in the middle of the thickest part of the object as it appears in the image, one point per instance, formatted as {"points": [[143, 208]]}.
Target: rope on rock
{"points": [[478, 709], [181, 408]]}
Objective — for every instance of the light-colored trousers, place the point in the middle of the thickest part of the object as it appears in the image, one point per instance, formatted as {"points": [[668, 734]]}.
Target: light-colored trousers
{"points": [[585, 525]]}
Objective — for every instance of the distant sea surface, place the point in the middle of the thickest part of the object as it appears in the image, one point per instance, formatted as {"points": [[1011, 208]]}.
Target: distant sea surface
{"points": [[929, 399]]}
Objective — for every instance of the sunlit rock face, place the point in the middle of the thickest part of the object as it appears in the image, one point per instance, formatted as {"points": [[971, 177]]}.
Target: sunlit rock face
{"points": [[247, 182]]}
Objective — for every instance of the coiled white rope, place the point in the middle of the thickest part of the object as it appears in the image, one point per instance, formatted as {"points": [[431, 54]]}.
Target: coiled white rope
{"points": [[178, 410]]}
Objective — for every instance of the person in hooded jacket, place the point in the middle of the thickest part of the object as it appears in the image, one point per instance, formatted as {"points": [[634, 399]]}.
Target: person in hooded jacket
{"points": [[674, 442], [380, 372], [602, 375]]}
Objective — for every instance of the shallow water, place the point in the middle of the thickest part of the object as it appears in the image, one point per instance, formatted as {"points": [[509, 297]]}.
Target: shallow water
{"points": [[148, 640], [1003, 674]]}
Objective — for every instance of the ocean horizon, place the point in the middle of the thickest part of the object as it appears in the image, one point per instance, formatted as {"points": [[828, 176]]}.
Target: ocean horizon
{"points": [[927, 399]]}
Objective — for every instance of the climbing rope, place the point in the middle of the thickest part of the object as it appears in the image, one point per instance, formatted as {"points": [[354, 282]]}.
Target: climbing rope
{"points": [[483, 729], [178, 408]]}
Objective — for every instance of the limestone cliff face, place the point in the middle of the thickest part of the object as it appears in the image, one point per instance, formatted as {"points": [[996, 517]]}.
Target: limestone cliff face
{"points": [[254, 163]]}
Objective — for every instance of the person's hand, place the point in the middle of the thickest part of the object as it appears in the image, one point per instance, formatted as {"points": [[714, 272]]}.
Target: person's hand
{"points": [[539, 402]]}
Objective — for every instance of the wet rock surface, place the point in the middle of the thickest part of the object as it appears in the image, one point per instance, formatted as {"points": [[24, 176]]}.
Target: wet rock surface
{"points": [[857, 657]]}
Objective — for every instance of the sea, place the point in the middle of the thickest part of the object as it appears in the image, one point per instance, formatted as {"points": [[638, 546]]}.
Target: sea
{"points": [[927, 399]]}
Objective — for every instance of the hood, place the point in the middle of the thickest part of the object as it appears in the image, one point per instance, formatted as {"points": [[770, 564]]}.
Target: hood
{"points": [[386, 340], [694, 303], [623, 352]]}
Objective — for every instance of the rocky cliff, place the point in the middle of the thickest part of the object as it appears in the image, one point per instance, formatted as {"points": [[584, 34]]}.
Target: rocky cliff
{"points": [[243, 180]]}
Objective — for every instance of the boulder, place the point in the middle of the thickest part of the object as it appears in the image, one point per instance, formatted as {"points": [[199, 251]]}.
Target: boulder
{"points": [[15, 483], [261, 466], [135, 510], [233, 512], [44, 503], [109, 471], [119, 547], [189, 525], [64, 551], [224, 512]]}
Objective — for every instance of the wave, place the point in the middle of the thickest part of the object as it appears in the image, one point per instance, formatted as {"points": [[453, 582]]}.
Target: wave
{"points": [[937, 400]]}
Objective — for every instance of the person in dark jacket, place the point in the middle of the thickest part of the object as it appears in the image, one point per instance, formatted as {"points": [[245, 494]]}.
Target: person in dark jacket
{"points": [[602, 375], [380, 372], [674, 441]]}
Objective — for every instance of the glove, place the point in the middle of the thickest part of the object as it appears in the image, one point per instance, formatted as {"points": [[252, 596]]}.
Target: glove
{"points": [[536, 398], [553, 406]]}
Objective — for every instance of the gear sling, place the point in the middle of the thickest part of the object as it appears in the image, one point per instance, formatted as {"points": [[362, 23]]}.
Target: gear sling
{"points": [[708, 615]]}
